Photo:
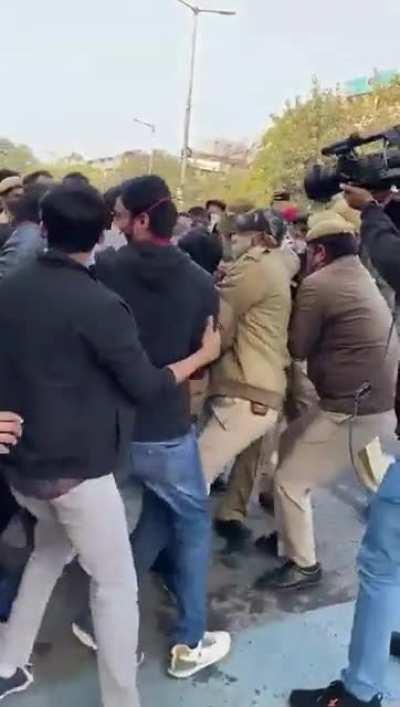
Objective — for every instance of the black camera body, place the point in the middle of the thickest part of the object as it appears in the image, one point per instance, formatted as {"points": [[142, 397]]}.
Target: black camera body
{"points": [[375, 171]]}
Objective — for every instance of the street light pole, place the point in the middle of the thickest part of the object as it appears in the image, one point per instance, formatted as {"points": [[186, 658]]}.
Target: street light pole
{"points": [[196, 11], [152, 128], [188, 112]]}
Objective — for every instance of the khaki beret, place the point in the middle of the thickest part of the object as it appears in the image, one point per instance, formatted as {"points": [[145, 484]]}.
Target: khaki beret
{"points": [[340, 206], [328, 223], [10, 183]]}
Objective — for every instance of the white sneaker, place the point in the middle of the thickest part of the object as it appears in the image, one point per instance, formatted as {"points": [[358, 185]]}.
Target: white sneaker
{"points": [[186, 661]]}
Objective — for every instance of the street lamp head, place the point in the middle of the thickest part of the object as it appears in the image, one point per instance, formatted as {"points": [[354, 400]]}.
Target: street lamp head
{"points": [[151, 126], [206, 11], [189, 5], [224, 13]]}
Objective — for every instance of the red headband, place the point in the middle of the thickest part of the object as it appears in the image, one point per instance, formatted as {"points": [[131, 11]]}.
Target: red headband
{"points": [[158, 241], [158, 203]]}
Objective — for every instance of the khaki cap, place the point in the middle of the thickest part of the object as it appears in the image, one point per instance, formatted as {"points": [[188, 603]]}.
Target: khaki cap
{"points": [[328, 223], [10, 183], [340, 206]]}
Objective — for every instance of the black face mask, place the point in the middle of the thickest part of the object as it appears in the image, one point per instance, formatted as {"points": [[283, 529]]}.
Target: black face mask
{"points": [[393, 211]]}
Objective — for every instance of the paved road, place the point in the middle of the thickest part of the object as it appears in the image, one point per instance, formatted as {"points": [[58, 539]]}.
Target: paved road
{"points": [[280, 641]]}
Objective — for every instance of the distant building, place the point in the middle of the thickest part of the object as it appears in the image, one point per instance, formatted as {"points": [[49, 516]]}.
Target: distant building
{"points": [[220, 156], [106, 164], [363, 84]]}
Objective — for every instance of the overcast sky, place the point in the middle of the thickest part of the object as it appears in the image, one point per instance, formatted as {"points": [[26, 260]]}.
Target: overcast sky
{"points": [[73, 74]]}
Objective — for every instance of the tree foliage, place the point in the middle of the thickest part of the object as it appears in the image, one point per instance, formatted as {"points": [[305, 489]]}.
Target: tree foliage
{"points": [[294, 139], [17, 157]]}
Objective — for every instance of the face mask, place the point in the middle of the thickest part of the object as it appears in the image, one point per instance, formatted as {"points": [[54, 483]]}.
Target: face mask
{"points": [[240, 244], [227, 255], [214, 221]]}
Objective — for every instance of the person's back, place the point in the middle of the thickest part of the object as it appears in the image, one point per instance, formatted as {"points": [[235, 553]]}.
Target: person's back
{"points": [[72, 367], [26, 239], [171, 298], [258, 289], [203, 247], [68, 348], [353, 339], [342, 327], [248, 383], [69, 405]]}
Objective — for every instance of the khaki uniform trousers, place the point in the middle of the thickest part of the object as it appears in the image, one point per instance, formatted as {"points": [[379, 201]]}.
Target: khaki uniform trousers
{"points": [[301, 398], [314, 452], [235, 432]]}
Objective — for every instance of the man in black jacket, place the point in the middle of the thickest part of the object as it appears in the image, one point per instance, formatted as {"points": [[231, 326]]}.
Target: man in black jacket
{"points": [[26, 241], [204, 248], [378, 606], [170, 297], [72, 366]]}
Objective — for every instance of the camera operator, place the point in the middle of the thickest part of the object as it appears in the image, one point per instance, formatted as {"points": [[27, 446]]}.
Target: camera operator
{"points": [[378, 608], [380, 224]]}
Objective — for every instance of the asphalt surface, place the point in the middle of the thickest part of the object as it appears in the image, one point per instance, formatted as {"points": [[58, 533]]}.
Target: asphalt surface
{"points": [[280, 641]]}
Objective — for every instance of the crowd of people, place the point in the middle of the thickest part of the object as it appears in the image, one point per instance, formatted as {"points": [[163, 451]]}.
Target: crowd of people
{"points": [[228, 347]]}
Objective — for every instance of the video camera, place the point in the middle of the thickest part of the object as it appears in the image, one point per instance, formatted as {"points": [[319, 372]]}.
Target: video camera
{"points": [[375, 171]]}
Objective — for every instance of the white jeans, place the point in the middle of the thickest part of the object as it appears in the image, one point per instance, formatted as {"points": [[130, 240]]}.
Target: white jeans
{"points": [[89, 522]]}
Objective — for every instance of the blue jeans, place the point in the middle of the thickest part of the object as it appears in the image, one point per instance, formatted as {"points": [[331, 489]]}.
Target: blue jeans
{"points": [[175, 517], [378, 605]]}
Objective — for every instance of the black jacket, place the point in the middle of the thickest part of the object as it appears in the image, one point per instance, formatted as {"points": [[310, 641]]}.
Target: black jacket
{"points": [[72, 366], [6, 230], [203, 247], [171, 298], [382, 240]]}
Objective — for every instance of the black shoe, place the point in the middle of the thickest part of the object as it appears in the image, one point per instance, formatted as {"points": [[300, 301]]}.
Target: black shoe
{"points": [[235, 533], [219, 486], [290, 576], [268, 544], [395, 645], [333, 696], [266, 502], [19, 682]]}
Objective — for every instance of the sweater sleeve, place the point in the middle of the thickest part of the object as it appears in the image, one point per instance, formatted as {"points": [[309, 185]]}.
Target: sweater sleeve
{"points": [[382, 240], [306, 322], [114, 340]]}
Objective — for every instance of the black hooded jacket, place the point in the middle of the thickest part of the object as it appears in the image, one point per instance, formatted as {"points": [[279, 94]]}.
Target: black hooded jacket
{"points": [[203, 247], [171, 298]]}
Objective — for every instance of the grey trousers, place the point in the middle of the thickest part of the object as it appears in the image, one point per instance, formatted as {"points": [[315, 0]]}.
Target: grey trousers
{"points": [[88, 522]]}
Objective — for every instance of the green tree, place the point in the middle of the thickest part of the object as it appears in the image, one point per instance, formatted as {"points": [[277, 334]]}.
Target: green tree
{"points": [[294, 139], [18, 157]]}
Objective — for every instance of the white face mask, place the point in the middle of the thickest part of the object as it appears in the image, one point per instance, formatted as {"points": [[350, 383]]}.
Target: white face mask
{"points": [[240, 244], [214, 221]]}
